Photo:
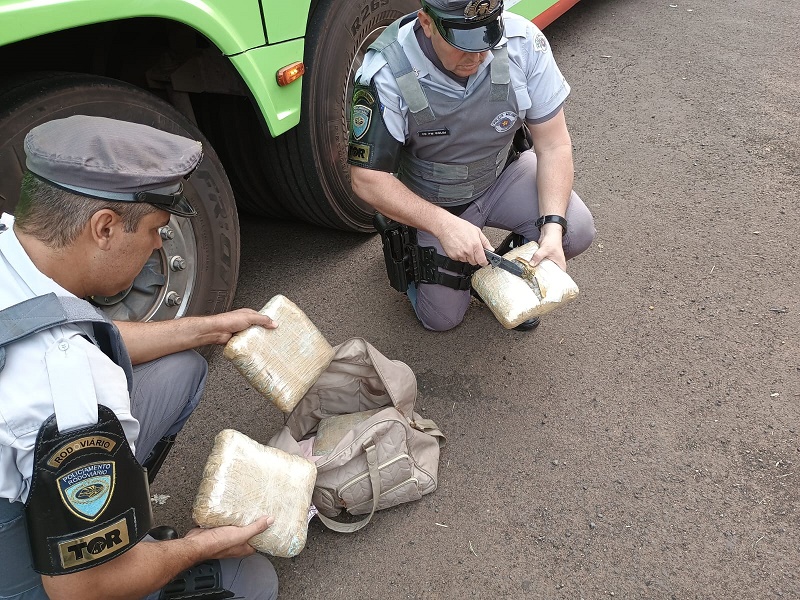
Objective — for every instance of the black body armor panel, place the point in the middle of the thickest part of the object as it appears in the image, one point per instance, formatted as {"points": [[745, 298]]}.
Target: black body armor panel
{"points": [[89, 500], [370, 146]]}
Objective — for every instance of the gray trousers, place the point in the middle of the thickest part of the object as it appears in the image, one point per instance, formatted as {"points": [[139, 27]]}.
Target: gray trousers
{"points": [[512, 203], [165, 392]]}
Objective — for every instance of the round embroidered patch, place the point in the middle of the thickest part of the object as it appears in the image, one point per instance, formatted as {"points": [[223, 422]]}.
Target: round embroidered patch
{"points": [[540, 43], [504, 121]]}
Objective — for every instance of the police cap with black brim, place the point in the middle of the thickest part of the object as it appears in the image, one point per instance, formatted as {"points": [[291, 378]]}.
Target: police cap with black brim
{"points": [[107, 159], [469, 25]]}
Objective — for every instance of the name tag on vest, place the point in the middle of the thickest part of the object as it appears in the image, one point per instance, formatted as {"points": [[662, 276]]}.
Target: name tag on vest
{"points": [[434, 132]]}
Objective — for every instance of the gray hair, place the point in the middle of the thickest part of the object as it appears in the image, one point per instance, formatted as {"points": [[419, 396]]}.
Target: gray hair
{"points": [[57, 217]]}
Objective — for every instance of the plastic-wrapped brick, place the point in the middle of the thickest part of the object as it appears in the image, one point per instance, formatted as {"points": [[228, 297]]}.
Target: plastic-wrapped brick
{"points": [[283, 363], [244, 480], [331, 430], [513, 299]]}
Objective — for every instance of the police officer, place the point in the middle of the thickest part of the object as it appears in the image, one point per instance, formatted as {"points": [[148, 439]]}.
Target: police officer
{"points": [[77, 420], [441, 99]]}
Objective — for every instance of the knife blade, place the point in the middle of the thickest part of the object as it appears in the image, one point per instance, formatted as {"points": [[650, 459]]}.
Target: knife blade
{"points": [[498, 261]]}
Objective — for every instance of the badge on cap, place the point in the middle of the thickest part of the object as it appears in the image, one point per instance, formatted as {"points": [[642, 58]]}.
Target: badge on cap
{"points": [[477, 9]]}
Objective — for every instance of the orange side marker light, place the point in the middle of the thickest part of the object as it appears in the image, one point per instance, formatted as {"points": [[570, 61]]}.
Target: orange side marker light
{"points": [[290, 73]]}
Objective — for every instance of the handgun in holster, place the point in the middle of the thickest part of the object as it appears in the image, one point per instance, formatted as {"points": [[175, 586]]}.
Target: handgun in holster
{"points": [[407, 262]]}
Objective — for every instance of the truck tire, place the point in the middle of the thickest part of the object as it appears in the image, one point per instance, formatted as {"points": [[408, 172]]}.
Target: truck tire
{"points": [[208, 244], [337, 30], [303, 174]]}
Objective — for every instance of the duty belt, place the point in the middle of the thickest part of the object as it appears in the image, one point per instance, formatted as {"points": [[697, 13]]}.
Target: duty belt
{"points": [[407, 262]]}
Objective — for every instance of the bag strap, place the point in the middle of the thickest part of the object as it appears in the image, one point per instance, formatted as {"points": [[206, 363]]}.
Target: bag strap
{"points": [[429, 427], [375, 479]]}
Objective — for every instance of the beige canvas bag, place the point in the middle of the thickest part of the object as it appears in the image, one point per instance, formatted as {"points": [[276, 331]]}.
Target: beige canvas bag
{"points": [[380, 452]]}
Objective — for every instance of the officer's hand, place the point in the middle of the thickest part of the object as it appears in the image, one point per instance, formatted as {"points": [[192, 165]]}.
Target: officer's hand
{"points": [[228, 541], [461, 240], [551, 246], [226, 324]]}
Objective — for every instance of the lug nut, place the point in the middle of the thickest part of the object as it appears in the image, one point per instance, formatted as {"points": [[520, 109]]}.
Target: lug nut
{"points": [[177, 263], [166, 233], [173, 299]]}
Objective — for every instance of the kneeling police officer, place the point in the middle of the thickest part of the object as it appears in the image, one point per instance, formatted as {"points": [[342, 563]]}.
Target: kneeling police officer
{"points": [[84, 402], [452, 99]]}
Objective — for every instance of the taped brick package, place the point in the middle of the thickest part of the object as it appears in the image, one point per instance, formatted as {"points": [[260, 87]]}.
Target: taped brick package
{"points": [[513, 299], [283, 363], [244, 480]]}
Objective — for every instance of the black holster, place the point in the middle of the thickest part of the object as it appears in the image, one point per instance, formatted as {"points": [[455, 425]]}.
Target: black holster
{"points": [[407, 262], [157, 456]]}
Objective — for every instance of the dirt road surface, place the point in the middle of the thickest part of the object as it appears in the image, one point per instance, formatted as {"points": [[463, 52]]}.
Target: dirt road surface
{"points": [[643, 442]]}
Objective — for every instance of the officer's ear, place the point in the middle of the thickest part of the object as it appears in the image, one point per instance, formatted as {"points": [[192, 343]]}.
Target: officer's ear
{"points": [[426, 22], [104, 225]]}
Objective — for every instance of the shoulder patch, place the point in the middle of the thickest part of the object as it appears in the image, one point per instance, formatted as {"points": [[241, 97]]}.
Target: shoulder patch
{"points": [[362, 112], [87, 490], [540, 43], [362, 117], [370, 145]]}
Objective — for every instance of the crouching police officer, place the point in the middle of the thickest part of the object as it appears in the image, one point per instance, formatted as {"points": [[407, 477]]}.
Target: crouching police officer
{"points": [[76, 418], [450, 99]]}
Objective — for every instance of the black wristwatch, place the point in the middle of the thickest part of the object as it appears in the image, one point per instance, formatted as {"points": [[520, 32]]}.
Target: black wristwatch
{"points": [[544, 220]]}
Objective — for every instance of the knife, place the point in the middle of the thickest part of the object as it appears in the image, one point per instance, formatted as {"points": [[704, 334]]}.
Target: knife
{"points": [[515, 269], [498, 261]]}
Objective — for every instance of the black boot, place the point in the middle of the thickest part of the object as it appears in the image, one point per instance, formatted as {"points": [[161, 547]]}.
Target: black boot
{"points": [[528, 325], [163, 532]]}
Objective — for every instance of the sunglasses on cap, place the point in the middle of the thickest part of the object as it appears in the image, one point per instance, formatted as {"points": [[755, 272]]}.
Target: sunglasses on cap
{"points": [[478, 29], [175, 203]]}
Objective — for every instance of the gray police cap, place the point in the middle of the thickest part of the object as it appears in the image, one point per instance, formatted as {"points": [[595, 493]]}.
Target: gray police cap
{"points": [[114, 160]]}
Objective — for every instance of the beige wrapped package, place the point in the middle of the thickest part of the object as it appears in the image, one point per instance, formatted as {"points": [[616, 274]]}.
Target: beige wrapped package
{"points": [[282, 363], [244, 480], [512, 299], [331, 430]]}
